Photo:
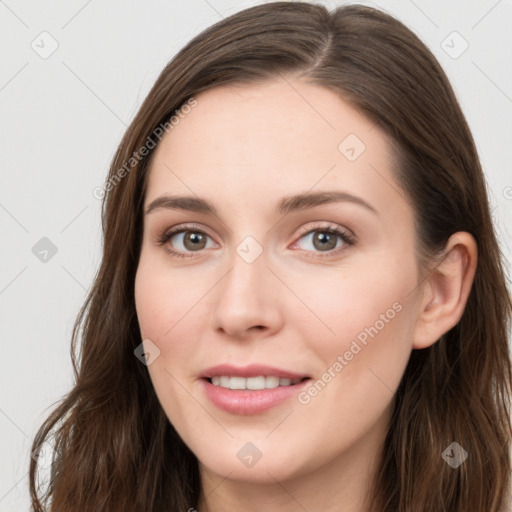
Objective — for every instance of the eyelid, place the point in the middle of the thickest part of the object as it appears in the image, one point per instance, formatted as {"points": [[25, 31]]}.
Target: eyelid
{"points": [[180, 228], [324, 225]]}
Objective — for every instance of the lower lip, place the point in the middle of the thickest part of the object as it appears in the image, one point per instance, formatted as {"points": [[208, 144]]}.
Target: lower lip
{"points": [[244, 401]]}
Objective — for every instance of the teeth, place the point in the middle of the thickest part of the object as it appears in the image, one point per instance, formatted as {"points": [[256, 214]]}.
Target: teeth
{"points": [[253, 383], [271, 382], [237, 383]]}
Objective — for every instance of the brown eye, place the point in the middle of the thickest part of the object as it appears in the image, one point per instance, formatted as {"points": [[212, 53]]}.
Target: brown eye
{"points": [[325, 240], [185, 240], [194, 240], [188, 240]]}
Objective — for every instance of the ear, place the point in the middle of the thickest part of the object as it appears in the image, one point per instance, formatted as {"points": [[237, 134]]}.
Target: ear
{"points": [[446, 290]]}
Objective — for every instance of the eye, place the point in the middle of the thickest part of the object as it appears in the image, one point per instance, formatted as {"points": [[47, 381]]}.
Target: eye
{"points": [[186, 239], [182, 241], [325, 239]]}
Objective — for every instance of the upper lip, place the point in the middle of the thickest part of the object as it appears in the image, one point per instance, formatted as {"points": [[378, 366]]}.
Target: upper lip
{"points": [[252, 370]]}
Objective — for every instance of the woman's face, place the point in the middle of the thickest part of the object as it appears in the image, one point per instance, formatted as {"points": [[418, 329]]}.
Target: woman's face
{"points": [[260, 290]]}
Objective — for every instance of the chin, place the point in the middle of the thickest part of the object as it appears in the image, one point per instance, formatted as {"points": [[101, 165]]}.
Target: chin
{"points": [[260, 461]]}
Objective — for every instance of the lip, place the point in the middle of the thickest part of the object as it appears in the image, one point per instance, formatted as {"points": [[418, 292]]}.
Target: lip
{"points": [[243, 401], [252, 370]]}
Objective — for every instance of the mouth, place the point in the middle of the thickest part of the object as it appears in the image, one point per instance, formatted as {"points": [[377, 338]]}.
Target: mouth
{"points": [[252, 389]]}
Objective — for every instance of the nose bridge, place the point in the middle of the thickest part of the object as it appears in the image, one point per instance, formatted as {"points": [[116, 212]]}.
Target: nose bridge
{"points": [[245, 296]]}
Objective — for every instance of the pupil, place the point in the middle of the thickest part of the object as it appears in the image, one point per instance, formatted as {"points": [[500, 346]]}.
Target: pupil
{"points": [[195, 239], [325, 239]]}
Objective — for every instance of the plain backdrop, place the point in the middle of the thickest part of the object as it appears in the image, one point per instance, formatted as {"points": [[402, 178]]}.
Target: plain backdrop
{"points": [[72, 76]]}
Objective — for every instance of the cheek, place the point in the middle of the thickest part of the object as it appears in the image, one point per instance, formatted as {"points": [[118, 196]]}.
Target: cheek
{"points": [[171, 312], [366, 317], [164, 298]]}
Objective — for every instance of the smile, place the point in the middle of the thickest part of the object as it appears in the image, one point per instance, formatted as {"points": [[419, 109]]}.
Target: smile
{"points": [[250, 389]]}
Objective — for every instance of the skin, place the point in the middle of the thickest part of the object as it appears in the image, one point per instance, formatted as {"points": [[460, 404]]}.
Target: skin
{"points": [[297, 306]]}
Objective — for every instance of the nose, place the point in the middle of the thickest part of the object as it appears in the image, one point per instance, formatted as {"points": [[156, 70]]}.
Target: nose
{"points": [[246, 301]]}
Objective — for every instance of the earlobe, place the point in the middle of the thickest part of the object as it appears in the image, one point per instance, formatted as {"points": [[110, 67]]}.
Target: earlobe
{"points": [[446, 290]]}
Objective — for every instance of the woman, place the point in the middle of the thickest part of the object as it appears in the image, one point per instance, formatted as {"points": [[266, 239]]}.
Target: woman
{"points": [[301, 303]]}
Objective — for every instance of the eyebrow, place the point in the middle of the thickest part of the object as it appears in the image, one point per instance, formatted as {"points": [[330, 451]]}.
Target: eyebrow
{"points": [[284, 206]]}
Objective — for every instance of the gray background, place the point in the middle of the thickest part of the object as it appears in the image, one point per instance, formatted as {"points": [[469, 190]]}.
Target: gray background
{"points": [[61, 118]]}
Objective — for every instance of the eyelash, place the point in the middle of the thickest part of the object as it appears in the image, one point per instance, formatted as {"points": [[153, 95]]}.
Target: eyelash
{"points": [[347, 239]]}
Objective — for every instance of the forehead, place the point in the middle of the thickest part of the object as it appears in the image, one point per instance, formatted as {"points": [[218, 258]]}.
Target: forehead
{"points": [[270, 117], [270, 139]]}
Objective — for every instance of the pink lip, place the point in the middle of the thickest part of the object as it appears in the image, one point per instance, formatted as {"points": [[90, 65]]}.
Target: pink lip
{"points": [[243, 401], [252, 370]]}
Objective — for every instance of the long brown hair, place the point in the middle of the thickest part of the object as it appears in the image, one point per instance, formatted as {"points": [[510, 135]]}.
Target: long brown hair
{"points": [[115, 450]]}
